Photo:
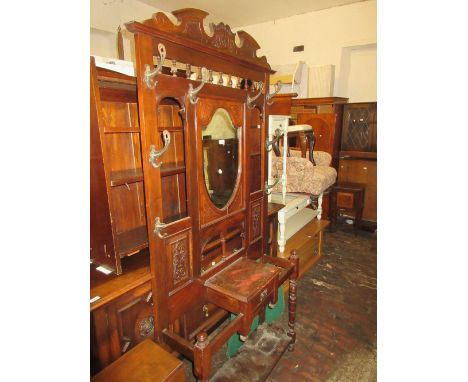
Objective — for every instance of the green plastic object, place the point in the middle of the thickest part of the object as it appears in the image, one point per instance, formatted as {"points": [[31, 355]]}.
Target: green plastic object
{"points": [[235, 343]]}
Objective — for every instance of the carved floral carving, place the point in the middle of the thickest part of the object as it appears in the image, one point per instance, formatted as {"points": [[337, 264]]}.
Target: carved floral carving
{"points": [[223, 37], [179, 260], [256, 219], [207, 108]]}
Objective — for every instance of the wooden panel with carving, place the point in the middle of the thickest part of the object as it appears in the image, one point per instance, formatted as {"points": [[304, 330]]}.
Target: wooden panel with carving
{"points": [[256, 219], [178, 252]]}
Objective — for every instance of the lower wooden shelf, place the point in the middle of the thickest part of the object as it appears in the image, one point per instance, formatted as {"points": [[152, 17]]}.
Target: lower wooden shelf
{"points": [[119, 178], [308, 244], [131, 241]]}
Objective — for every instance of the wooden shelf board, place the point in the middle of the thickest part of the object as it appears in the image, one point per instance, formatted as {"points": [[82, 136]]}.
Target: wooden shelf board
{"points": [[136, 271], [170, 128], [173, 218], [119, 178], [121, 129], [358, 154], [168, 169], [319, 101], [131, 241], [110, 75]]}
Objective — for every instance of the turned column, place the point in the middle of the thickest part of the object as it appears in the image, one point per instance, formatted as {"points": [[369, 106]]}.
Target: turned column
{"points": [[292, 298], [202, 364]]}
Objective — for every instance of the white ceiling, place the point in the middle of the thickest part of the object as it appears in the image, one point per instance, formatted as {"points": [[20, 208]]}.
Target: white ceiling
{"points": [[237, 13]]}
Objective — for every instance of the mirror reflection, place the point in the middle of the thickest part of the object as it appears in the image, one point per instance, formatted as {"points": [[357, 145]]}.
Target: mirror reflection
{"points": [[220, 157]]}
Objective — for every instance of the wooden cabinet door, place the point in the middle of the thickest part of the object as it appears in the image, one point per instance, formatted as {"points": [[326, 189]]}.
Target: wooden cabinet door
{"points": [[359, 127], [324, 129]]}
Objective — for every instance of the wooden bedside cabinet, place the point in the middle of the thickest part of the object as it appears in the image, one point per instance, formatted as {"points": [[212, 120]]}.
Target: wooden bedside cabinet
{"points": [[349, 197]]}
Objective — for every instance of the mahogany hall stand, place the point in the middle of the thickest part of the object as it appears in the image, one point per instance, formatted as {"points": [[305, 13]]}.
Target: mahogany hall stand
{"points": [[206, 220]]}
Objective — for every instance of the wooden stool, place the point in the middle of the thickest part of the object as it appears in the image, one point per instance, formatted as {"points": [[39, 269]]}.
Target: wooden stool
{"points": [[349, 197], [146, 362]]}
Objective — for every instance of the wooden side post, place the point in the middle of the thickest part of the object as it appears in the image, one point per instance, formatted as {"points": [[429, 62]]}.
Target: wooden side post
{"points": [[292, 298]]}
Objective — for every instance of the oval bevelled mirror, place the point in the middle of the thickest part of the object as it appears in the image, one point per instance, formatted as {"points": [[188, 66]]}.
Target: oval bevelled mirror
{"points": [[220, 157]]}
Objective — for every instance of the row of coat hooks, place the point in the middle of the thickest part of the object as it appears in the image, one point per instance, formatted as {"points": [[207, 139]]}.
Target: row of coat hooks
{"points": [[204, 75]]}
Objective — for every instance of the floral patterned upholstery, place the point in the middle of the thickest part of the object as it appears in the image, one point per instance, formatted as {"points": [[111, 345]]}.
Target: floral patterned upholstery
{"points": [[302, 175], [321, 158]]}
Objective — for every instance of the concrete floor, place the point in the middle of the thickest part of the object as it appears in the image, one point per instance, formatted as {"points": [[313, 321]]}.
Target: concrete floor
{"points": [[336, 321]]}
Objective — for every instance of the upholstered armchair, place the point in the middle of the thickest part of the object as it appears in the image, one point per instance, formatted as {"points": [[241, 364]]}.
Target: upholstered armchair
{"points": [[302, 176], [297, 178]]}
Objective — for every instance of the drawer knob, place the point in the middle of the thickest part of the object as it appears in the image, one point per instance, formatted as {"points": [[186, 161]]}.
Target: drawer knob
{"points": [[263, 295], [364, 168], [205, 310]]}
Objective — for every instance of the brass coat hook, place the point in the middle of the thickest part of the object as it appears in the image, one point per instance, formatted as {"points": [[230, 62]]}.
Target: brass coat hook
{"points": [[149, 74], [269, 96]]}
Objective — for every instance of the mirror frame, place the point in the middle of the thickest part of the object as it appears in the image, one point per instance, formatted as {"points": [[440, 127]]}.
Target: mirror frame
{"points": [[238, 130]]}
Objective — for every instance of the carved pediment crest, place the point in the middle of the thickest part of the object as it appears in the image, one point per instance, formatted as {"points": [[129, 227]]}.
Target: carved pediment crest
{"points": [[189, 25]]}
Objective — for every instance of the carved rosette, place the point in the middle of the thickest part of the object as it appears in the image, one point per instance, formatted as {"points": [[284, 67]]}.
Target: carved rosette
{"points": [[179, 260], [146, 327]]}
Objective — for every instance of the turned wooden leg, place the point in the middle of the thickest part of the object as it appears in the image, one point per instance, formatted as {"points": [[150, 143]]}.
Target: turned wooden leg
{"points": [[292, 299], [282, 236], [319, 207], [202, 358]]}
